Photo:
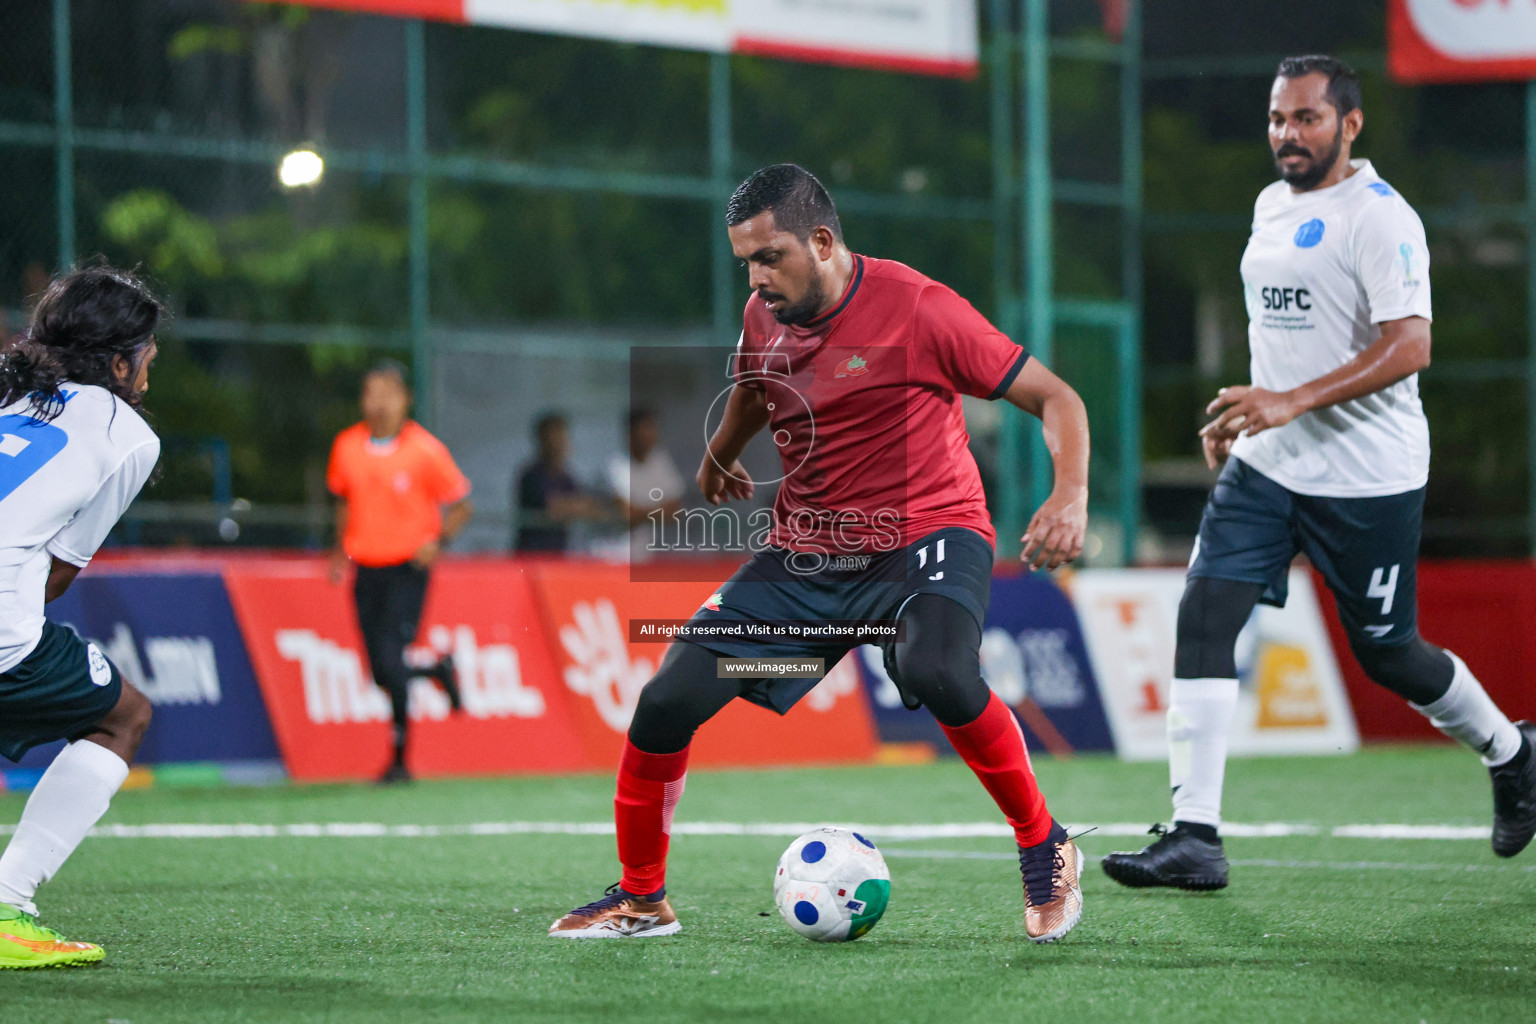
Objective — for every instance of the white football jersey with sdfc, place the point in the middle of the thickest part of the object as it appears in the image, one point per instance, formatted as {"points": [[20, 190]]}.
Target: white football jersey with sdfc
{"points": [[64, 483], [1322, 270]]}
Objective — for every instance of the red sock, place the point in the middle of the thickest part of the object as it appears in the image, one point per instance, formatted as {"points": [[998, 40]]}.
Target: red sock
{"points": [[649, 787], [993, 746]]}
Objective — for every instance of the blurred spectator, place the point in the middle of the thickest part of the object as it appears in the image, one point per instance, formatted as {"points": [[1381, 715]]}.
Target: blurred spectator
{"points": [[548, 498], [645, 480]]}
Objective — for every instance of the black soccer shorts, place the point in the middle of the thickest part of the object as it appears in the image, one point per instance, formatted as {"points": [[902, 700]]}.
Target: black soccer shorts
{"points": [[778, 586], [1366, 549], [58, 692]]}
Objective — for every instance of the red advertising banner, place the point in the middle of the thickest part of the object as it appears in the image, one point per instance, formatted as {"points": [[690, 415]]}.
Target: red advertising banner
{"points": [[1461, 40], [588, 608], [332, 722], [1485, 612]]}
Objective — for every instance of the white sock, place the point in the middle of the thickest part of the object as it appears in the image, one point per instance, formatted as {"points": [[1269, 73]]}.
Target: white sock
{"points": [[1200, 713], [71, 796], [1468, 715]]}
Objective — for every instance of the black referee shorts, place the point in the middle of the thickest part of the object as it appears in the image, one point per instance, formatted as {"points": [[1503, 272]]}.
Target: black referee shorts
{"points": [[389, 604]]}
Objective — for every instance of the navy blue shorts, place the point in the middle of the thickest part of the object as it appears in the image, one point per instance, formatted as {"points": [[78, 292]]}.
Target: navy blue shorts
{"points": [[1367, 549], [58, 692], [778, 586]]}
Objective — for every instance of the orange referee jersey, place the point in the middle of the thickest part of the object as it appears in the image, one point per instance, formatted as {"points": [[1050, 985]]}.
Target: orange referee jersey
{"points": [[395, 491]]}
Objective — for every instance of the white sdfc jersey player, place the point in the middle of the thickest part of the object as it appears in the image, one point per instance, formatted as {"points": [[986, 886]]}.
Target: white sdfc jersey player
{"points": [[1329, 457], [1321, 270]]}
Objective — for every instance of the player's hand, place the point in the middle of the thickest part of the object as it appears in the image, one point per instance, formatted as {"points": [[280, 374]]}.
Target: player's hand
{"points": [[336, 571], [721, 485], [1055, 534], [1216, 449], [427, 554], [1248, 411]]}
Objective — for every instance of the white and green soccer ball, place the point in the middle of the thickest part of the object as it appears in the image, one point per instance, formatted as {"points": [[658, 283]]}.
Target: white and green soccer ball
{"points": [[831, 885]]}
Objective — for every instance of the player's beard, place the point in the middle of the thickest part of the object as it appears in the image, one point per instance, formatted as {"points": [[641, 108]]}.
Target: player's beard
{"points": [[798, 314], [1317, 170]]}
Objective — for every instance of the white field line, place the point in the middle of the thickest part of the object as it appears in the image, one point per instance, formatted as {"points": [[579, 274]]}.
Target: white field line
{"points": [[1288, 865], [882, 833]]}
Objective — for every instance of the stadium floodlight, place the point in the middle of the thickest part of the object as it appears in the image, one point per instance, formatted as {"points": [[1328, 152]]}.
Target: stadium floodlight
{"points": [[302, 168]]}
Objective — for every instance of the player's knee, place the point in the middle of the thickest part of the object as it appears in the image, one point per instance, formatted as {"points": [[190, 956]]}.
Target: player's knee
{"points": [[658, 702], [945, 678], [1211, 614], [926, 667], [127, 722], [1416, 670], [139, 712], [666, 717]]}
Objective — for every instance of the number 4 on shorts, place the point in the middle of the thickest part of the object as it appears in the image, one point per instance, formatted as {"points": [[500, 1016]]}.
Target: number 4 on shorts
{"points": [[1384, 586]]}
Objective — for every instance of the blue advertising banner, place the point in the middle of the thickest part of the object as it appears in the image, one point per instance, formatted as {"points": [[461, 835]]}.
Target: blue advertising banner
{"points": [[174, 637], [1032, 655]]}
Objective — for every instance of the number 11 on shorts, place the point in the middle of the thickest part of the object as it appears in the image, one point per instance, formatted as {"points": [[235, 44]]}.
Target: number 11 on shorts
{"points": [[938, 556]]}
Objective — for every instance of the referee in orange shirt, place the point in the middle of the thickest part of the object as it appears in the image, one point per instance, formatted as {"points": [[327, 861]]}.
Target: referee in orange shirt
{"points": [[399, 498]]}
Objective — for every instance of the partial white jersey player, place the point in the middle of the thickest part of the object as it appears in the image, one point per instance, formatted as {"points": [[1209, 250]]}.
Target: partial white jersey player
{"points": [[74, 453], [64, 483], [1329, 456], [1323, 270]]}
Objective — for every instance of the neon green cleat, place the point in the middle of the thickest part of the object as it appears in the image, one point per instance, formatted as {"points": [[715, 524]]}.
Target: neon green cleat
{"points": [[25, 943]]}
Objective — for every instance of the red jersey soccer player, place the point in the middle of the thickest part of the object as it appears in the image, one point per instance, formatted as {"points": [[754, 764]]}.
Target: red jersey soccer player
{"points": [[857, 365]]}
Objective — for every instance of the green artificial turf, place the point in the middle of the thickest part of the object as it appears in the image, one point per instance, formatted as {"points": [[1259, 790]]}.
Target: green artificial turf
{"points": [[452, 928]]}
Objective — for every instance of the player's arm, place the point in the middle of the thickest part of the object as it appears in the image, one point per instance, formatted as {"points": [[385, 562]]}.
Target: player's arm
{"points": [[456, 516], [721, 476], [568, 508], [447, 486], [60, 575], [634, 515], [1055, 534], [337, 570], [1401, 351]]}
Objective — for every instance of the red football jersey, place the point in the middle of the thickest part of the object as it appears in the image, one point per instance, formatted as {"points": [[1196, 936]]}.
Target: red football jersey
{"points": [[864, 406]]}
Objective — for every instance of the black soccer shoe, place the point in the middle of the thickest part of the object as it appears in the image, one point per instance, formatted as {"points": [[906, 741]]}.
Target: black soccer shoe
{"points": [[1514, 796], [1177, 860], [396, 774], [447, 675]]}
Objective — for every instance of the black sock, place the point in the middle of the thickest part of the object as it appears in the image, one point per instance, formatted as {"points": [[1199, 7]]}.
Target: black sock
{"points": [[1057, 835], [1521, 758], [1199, 831], [653, 897]]}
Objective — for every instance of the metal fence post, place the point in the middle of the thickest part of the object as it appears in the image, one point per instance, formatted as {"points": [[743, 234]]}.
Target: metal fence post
{"points": [[726, 311], [1039, 244], [64, 133], [1012, 479], [419, 257], [1530, 308], [1130, 284]]}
